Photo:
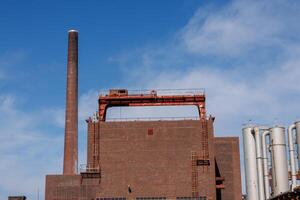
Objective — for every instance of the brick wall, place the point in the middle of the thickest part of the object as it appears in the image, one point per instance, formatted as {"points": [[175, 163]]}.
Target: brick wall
{"points": [[228, 162], [153, 157]]}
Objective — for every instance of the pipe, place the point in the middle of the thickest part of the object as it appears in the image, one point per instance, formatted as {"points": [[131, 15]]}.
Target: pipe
{"points": [[265, 163], [292, 155], [259, 159], [250, 163], [71, 122], [297, 124]]}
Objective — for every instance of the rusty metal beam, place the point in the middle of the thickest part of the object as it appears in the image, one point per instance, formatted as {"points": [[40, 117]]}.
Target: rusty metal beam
{"points": [[151, 99]]}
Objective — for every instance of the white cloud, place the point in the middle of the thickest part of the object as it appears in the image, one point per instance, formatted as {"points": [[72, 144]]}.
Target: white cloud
{"points": [[245, 34], [152, 113], [32, 143], [26, 151], [87, 105], [233, 100], [240, 27]]}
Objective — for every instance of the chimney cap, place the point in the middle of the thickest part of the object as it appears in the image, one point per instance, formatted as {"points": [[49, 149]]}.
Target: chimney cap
{"points": [[73, 30]]}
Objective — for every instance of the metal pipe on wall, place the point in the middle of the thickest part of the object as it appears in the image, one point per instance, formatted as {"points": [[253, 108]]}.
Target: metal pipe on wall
{"points": [[259, 158], [265, 163], [250, 164], [279, 160], [297, 124], [292, 155]]}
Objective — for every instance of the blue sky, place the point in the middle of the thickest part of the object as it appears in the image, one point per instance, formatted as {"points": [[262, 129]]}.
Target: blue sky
{"points": [[244, 53]]}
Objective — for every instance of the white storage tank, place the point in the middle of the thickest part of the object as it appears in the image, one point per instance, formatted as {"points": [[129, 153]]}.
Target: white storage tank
{"points": [[279, 160], [250, 163]]}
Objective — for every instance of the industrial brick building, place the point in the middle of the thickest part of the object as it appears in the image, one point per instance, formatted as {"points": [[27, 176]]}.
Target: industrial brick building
{"points": [[144, 160]]}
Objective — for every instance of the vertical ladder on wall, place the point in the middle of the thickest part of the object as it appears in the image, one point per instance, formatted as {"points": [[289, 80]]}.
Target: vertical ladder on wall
{"points": [[194, 158], [204, 130], [95, 150], [204, 146], [98, 144]]}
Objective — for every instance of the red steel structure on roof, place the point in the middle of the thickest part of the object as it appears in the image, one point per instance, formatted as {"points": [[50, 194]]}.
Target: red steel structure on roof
{"points": [[121, 97]]}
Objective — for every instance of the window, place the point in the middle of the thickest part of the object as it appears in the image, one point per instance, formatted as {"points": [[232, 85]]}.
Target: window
{"points": [[203, 162], [111, 198]]}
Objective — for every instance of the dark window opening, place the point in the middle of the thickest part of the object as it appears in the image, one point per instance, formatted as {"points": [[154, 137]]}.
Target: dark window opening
{"points": [[203, 163]]}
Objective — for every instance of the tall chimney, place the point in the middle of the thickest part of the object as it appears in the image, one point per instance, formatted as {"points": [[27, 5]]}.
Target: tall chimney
{"points": [[71, 123]]}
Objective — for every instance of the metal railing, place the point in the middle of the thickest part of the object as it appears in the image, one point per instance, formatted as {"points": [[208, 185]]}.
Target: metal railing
{"points": [[85, 168], [188, 91]]}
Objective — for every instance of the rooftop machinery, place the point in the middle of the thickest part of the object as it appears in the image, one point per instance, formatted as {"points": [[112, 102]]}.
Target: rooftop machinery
{"points": [[263, 145]]}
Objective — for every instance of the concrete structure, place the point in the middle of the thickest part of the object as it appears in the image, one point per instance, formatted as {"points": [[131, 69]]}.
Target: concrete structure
{"points": [[176, 159]]}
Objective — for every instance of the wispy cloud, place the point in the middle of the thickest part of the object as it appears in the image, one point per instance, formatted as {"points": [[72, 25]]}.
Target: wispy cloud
{"points": [[241, 27], [26, 151], [244, 54], [32, 143]]}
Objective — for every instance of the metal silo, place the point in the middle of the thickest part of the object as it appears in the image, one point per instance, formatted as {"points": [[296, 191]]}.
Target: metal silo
{"points": [[250, 163], [259, 162], [279, 160]]}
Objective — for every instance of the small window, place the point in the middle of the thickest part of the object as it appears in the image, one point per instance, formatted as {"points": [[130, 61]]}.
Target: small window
{"points": [[203, 163], [150, 131]]}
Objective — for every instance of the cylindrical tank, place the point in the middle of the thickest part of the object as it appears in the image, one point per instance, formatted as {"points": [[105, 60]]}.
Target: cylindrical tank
{"points": [[259, 160], [279, 160], [250, 163]]}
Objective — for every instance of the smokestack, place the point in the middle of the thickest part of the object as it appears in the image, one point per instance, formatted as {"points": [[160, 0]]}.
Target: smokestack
{"points": [[71, 123]]}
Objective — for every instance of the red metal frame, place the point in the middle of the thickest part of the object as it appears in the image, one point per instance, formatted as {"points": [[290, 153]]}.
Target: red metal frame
{"points": [[122, 98]]}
